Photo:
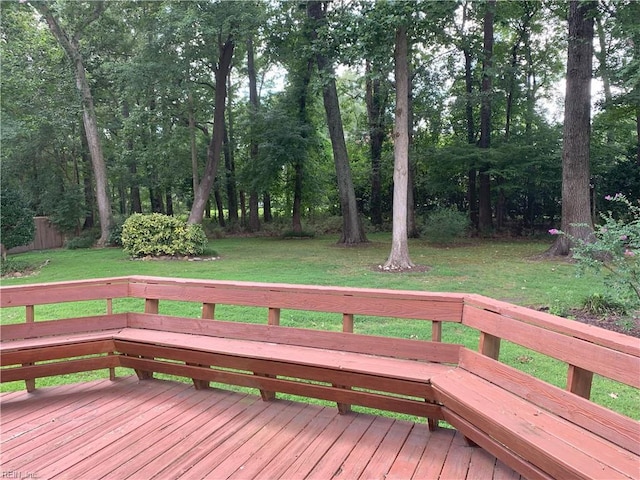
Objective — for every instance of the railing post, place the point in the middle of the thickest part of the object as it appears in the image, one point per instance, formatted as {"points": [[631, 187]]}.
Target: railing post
{"points": [[579, 381], [436, 331], [208, 310], [273, 319], [30, 317], [151, 305], [274, 316], [347, 327], [347, 322], [109, 306], [489, 345]]}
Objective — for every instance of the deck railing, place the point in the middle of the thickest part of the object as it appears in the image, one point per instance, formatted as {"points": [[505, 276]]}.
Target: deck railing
{"points": [[612, 355]]}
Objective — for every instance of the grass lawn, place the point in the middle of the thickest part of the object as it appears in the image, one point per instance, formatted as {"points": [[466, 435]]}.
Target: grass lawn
{"points": [[505, 270]]}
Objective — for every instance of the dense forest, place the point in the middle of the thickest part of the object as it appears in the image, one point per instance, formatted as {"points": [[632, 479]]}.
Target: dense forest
{"points": [[242, 113]]}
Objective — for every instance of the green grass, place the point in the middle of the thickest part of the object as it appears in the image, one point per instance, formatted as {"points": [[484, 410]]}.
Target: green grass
{"points": [[505, 270]]}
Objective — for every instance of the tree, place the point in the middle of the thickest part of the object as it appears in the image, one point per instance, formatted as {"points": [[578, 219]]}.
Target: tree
{"points": [[352, 228], [70, 43], [485, 223], [576, 206], [16, 220], [399, 255]]}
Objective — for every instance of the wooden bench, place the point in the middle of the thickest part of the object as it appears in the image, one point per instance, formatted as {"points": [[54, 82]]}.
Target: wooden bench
{"points": [[538, 429]]}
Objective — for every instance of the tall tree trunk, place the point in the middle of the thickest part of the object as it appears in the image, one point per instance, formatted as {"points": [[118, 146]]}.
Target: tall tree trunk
{"points": [[376, 101], [254, 103], [215, 145], [70, 44], [352, 229], [472, 194], [89, 197], [576, 208], [485, 223], [399, 255], [192, 141], [230, 178]]}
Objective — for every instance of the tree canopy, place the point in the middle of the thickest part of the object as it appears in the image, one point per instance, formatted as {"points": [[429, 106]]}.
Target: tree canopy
{"points": [[223, 110]]}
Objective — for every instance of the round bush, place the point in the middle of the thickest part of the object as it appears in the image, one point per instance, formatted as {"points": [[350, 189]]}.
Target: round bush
{"points": [[157, 234], [445, 225]]}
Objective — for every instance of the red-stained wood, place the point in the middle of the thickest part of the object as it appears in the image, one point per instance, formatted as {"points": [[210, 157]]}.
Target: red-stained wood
{"points": [[616, 428], [605, 361], [52, 369], [357, 343], [560, 448], [69, 291], [579, 381], [69, 326], [160, 429], [361, 301], [74, 348], [547, 321]]}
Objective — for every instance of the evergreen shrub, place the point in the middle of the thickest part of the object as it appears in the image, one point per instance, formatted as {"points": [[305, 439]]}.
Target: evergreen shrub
{"points": [[157, 234], [445, 225]]}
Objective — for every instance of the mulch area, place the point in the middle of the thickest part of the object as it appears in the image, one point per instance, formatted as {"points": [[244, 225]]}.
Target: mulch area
{"points": [[629, 325]]}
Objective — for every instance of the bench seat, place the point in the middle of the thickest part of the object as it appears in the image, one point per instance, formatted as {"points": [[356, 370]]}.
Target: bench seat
{"points": [[553, 445]]}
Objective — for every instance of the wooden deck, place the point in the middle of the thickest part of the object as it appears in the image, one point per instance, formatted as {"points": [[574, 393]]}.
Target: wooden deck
{"points": [[162, 429]]}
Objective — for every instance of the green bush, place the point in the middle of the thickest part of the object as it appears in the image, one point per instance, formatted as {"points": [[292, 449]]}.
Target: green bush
{"points": [[84, 240], [445, 225], [16, 219], [158, 234]]}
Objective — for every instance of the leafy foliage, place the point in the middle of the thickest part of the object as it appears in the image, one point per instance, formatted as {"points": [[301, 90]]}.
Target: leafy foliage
{"points": [[445, 225], [615, 249], [16, 219], [157, 234]]}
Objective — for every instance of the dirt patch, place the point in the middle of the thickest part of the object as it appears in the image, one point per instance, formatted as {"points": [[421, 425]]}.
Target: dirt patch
{"points": [[182, 258]]}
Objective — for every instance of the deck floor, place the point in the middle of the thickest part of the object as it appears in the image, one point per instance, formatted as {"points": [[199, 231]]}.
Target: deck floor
{"points": [[163, 430]]}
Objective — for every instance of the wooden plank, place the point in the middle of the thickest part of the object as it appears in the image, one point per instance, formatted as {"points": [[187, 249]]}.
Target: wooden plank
{"points": [[481, 465], [236, 426], [58, 368], [75, 348], [56, 462], [418, 387], [318, 357], [609, 363], [589, 333], [560, 448], [363, 451], [59, 442], [357, 343], [456, 465], [501, 452], [303, 454], [579, 381], [287, 438], [367, 399], [229, 456], [409, 456], [613, 426], [361, 301], [10, 333], [436, 450], [58, 292], [148, 440], [387, 452], [218, 425]]}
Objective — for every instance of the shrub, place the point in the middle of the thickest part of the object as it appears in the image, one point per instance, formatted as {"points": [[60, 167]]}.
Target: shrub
{"points": [[445, 225], [614, 250], [158, 234], [115, 231], [16, 219], [85, 240]]}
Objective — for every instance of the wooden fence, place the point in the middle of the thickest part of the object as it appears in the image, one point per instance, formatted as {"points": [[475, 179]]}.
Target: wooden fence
{"points": [[47, 236]]}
